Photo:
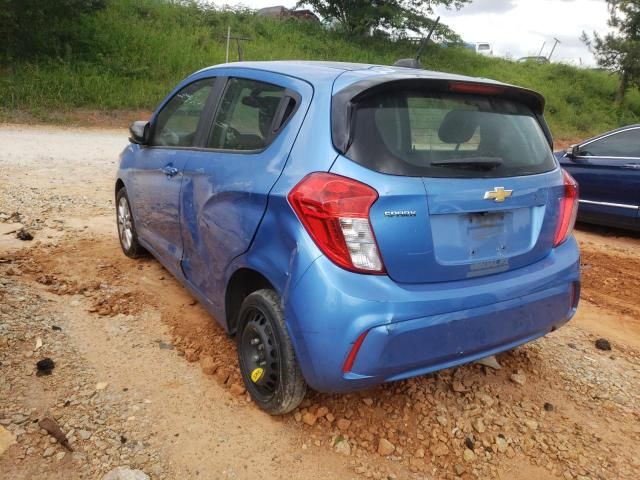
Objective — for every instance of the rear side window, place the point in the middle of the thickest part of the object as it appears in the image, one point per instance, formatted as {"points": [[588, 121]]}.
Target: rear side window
{"points": [[624, 145], [177, 123], [246, 117], [448, 135]]}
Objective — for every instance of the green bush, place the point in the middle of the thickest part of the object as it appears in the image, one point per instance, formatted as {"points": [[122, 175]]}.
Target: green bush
{"points": [[32, 29], [139, 49]]}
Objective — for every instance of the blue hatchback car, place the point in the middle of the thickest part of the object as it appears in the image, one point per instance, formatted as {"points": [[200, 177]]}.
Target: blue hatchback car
{"points": [[354, 224]]}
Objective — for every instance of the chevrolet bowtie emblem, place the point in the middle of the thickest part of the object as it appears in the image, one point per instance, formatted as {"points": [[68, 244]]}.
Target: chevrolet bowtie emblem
{"points": [[498, 194]]}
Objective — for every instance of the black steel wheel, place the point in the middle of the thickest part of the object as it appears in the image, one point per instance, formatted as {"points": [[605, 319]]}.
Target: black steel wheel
{"points": [[267, 361]]}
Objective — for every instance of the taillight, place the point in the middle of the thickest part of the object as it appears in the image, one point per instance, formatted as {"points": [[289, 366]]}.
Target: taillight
{"points": [[568, 209], [335, 212]]}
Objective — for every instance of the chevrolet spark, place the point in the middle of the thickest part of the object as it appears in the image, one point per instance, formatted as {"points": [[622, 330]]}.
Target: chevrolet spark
{"points": [[354, 224]]}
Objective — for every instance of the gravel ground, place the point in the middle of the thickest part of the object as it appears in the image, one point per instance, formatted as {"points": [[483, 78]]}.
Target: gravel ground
{"points": [[103, 425], [145, 379]]}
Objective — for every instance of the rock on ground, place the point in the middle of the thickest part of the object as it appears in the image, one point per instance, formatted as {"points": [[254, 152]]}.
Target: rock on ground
{"points": [[123, 473], [6, 439], [385, 447]]}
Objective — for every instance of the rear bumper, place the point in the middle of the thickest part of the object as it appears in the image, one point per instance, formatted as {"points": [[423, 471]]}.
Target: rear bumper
{"points": [[415, 329]]}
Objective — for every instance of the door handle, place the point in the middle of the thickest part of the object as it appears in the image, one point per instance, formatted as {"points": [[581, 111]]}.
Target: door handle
{"points": [[633, 166], [170, 171]]}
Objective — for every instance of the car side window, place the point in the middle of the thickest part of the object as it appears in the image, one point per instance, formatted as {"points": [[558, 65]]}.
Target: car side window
{"points": [[177, 123], [624, 144], [245, 118]]}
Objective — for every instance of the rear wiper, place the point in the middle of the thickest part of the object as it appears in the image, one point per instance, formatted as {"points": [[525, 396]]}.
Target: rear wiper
{"points": [[480, 163]]}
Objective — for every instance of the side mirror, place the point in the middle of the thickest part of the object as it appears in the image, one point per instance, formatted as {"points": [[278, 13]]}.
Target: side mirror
{"points": [[139, 132], [573, 151]]}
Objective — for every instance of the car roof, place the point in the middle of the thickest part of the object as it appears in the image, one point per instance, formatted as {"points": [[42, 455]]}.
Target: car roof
{"points": [[322, 72], [310, 71]]}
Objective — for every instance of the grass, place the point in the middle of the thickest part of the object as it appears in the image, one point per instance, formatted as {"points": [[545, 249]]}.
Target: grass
{"points": [[142, 48]]}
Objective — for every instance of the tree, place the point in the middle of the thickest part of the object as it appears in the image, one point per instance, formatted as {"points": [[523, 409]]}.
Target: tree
{"points": [[361, 17], [619, 51], [30, 28]]}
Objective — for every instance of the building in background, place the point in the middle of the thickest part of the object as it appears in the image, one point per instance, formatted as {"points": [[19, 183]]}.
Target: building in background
{"points": [[282, 13]]}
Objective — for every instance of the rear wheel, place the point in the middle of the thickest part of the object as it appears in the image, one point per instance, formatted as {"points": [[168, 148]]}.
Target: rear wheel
{"points": [[126, 227], [267, 361]]}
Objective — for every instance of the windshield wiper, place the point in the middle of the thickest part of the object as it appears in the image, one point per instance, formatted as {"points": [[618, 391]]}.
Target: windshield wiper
{"points": [[477, 163]]}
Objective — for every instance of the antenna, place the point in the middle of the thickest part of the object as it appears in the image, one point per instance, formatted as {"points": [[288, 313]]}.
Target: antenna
{"points": [[424, 42], [415, 62]]}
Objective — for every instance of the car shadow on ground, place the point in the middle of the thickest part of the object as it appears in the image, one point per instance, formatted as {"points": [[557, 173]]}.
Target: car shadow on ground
{"points": [[607, 231]]}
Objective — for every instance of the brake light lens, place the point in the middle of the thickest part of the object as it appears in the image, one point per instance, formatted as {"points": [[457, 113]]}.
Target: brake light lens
{"points": [[335, 212], [476, 88], [568, 209]]}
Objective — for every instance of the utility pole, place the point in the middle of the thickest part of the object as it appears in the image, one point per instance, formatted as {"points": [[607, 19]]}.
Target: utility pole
{"points": [[542, 48], [238, 40], [554, 48]]}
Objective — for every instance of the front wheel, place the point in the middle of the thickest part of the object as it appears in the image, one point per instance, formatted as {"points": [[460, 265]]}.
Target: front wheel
{"points": [[126, 227], [267, 361]]}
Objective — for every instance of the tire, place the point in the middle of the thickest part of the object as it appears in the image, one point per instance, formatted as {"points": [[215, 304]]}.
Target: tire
{"points": [[268, 363], [127, 234]]}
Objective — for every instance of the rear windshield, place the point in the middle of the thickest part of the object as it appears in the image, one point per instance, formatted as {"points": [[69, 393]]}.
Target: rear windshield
{"points": [[448, 135]]}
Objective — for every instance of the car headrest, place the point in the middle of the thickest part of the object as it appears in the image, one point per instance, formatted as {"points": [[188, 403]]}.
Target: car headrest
{"points": [[268, 104], [458, 126]]}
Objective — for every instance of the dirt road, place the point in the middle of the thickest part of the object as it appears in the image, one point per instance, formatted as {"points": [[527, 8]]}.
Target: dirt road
{"points": [[145, 378]]}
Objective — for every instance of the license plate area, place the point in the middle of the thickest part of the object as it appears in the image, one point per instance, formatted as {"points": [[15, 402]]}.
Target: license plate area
{"points": [[470, 237], [487, 233]]}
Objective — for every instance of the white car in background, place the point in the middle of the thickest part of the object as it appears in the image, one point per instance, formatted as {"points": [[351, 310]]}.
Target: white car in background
{"points": [[484, 48]]}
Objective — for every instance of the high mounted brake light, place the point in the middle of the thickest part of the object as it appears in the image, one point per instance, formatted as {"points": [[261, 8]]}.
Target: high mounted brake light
{"points": [[476, 88], [335, 212], [568, 209]]}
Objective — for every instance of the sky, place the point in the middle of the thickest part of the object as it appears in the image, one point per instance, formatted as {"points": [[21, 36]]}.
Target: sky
{"points": [[516, 28]]}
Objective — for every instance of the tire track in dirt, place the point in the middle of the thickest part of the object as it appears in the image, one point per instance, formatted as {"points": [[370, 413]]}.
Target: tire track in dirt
{"points": [[611, 279]]}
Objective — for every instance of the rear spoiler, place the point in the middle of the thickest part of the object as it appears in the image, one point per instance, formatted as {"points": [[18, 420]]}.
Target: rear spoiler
{"points": [[344, 102]]}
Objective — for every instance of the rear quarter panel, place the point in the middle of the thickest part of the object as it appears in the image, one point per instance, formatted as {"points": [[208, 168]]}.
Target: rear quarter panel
{"points": [[281, 249]]}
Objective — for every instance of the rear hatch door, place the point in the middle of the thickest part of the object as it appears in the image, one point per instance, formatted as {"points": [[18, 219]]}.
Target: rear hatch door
{"points": [[467, 182], [476, 230]]}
